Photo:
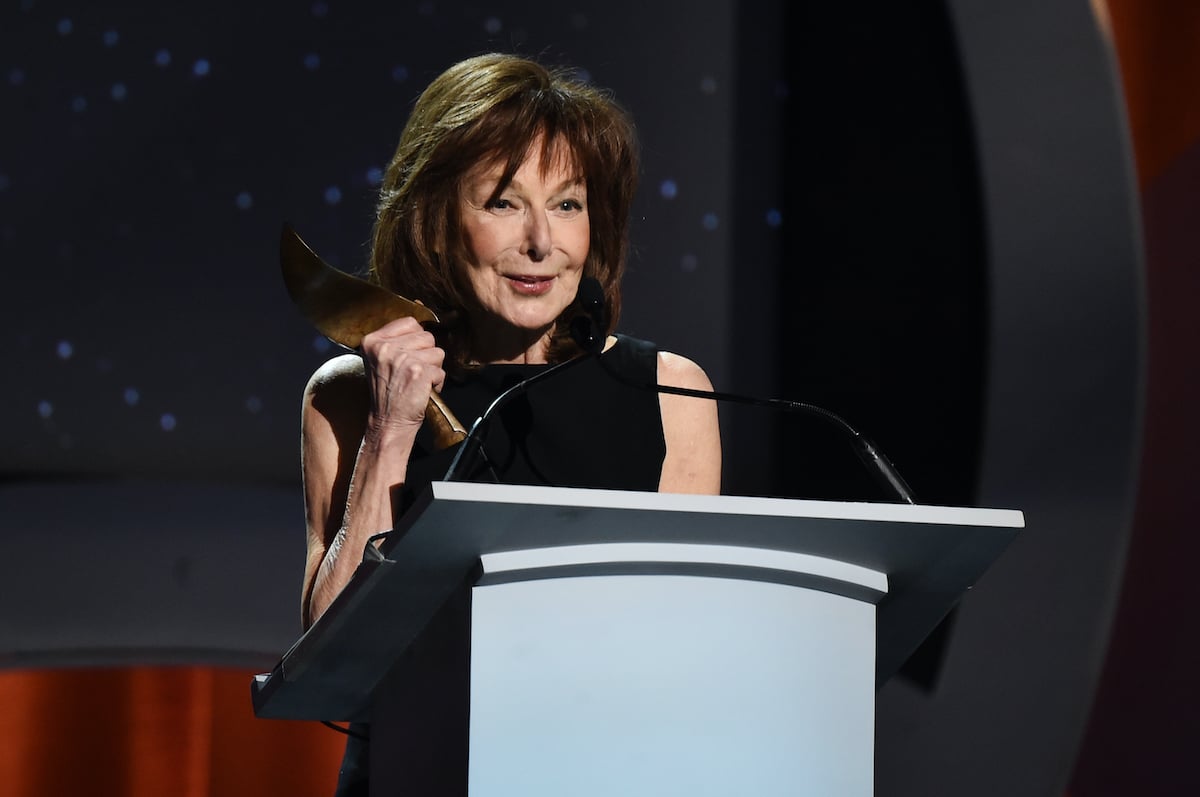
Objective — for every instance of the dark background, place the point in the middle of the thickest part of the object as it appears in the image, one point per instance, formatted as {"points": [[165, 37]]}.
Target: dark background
{"points": [[922, 217], [152, 153]]}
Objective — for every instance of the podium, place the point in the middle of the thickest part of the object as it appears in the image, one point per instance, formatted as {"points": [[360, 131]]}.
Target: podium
{"points": [[550, 641]]}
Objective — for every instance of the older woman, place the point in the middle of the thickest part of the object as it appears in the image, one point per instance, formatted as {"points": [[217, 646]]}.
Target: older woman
{"points": [[510, 183]]}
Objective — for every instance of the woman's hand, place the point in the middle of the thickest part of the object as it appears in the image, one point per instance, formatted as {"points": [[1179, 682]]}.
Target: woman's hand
{"points": [[403, 365]]}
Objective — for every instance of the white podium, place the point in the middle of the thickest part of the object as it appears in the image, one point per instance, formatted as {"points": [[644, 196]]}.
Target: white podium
{"points": [[542, 641]]}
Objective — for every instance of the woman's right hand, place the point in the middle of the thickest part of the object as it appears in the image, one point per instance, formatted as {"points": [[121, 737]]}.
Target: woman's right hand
{"points": [[403, 365]]}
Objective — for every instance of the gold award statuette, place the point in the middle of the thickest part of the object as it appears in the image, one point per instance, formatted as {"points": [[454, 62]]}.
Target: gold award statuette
{"points": [[345, 308]]}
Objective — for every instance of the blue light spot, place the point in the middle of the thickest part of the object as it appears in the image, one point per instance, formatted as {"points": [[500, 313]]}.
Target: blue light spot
{"points": [[374, 175], [710, 221], [119, 92], [244, 201], [201, 68], [65, 26], [312, 62], [111, 38], [583, 76], [668, 189], [16, 76], [774, 219], [64, 349], [399, 73], [708, 84], [320, 10], [79, 104], [689, 262], [4, 182], [132, 396], [167, 422], [254, 404], [333, 195], [321, 344], [162, 57], [45, 409], [493, 25]]}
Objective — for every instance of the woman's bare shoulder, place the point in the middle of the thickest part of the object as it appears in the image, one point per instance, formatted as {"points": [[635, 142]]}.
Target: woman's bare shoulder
{"points": [[678, 371], [337, 391], [345, 372]]}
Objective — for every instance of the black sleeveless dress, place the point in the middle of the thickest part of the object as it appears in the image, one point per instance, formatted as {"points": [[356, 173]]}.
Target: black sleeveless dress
{"points": [[592, 425]]}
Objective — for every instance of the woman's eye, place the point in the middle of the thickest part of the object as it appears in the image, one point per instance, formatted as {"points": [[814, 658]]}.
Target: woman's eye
{"points": [[500, 204], [568, 205]]}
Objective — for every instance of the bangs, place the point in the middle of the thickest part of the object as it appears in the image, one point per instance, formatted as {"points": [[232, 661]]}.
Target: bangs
{"points": [[565, 142], [556, 154]]}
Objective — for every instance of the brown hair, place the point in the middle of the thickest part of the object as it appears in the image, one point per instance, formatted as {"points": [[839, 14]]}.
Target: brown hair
{"points": [[485, 111]]}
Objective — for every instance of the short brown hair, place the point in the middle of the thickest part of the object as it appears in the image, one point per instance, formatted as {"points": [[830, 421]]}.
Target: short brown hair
{"points": [[489, 110]]}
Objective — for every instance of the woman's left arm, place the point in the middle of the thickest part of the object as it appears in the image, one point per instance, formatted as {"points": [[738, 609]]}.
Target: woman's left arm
{"points": [[693, 460]]}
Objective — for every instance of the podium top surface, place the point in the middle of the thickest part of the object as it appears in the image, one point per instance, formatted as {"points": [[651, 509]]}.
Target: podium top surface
{"points": [[930, 556], [721, 505], [454, 523]]}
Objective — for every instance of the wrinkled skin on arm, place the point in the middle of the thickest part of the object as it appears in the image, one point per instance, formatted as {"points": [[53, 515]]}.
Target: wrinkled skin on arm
{"points": [[360, 418]]}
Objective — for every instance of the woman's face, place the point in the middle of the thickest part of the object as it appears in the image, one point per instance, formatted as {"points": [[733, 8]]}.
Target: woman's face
{"points": [[527, 247]]}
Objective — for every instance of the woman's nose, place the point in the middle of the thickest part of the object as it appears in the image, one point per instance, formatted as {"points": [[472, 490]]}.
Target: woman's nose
{"points": [[537, 234]]}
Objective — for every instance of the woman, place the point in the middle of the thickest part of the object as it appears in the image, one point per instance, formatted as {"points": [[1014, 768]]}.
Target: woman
{"points": [[510, 183]]}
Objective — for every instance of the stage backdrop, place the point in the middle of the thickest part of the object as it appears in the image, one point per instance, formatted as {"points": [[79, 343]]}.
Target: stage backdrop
{"points": [[814, 176]]}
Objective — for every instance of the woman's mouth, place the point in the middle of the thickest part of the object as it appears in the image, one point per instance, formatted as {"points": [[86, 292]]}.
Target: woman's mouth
{"points": [[528, 285]]}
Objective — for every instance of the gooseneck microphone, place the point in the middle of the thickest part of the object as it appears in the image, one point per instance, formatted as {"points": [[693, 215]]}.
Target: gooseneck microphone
{"points": [[589, 331], [591, 297], [880, 467]]}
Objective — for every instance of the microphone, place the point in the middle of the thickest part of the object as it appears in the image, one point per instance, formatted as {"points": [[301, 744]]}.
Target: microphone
{"points": [[588, 329], [879, 466]]}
